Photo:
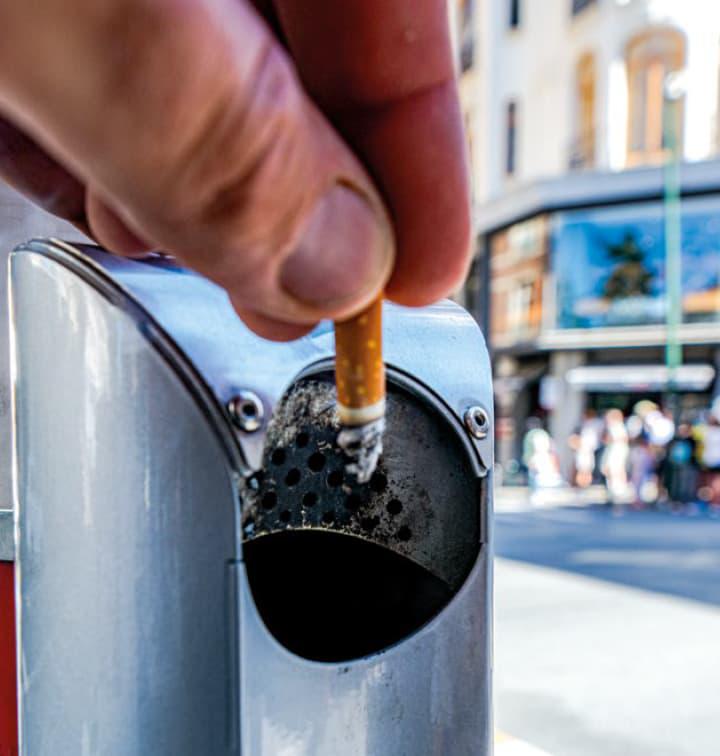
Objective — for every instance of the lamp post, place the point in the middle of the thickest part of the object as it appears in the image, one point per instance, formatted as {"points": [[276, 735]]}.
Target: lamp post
{"points": [[673, 91]]}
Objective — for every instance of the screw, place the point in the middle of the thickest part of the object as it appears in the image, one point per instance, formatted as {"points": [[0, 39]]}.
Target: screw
{"points": [[477, 422], [246, 411]]}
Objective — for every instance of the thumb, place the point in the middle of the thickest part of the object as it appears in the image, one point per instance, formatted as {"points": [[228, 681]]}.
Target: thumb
{"points": [[187, 122]]}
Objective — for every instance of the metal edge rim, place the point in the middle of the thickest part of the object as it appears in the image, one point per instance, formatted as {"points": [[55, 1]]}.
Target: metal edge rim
{"points": [[67, 255]]}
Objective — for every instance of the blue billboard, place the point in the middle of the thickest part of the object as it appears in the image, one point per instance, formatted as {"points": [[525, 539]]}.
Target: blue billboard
{"points": [[608, 264]]}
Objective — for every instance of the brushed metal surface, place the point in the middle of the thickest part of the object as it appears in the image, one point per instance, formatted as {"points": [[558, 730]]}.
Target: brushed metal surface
{"points": [[127, 516]]}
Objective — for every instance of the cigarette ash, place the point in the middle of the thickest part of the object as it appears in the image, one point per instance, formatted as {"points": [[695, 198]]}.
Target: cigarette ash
{"points": [[310, 403], [363, 445]]}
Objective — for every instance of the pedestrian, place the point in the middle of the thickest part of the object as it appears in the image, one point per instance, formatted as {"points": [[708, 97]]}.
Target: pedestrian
{"points": [[680, 469], [585, 444], [615, 457], [541, 460], [642, 472], [660, 428], [710, 460]]}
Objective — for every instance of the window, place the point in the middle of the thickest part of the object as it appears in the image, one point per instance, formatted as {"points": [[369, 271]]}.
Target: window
{"points": [[511, 138], [580, 5], [650, 58], [517, 268], [467, 34], [610, 269], [583, 149], [520, 306], [514, 19]]}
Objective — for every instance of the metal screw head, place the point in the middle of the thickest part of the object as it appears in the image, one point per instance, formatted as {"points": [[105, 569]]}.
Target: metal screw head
{"points": [[477, 422], [246, 411]]}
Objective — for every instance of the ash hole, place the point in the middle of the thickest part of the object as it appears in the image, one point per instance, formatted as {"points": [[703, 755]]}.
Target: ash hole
{"points": [[370, 523], [302, 440], [278, 457], [394, 507], [285, 515], [335, 478], [269, 500], [316, 461], [310, 499], [293, 477], [378, 482], [404, 534]]}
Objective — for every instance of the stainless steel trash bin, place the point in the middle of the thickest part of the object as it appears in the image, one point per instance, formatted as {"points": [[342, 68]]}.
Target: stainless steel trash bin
{"points": [[197, 575]]}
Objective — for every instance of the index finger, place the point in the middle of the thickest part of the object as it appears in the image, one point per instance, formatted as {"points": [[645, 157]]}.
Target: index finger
{"points": [[382, 71]]}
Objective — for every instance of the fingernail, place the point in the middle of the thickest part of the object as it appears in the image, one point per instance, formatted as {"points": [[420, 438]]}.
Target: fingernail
{"points": [[344, 254]]}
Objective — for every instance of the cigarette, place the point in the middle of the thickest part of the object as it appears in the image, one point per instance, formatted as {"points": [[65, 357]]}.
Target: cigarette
{"points": [[360, 380]]}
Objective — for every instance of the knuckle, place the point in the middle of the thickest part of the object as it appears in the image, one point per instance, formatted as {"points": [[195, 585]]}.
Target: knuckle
{"points": [[247, 174]]}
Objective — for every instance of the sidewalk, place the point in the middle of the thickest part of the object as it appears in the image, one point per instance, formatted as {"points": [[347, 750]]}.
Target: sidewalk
{"points": [[587, 667], [520, 498], [506, 745]]}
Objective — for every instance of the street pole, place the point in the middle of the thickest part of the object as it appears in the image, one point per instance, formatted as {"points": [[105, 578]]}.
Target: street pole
{"points": [[673, 240]]}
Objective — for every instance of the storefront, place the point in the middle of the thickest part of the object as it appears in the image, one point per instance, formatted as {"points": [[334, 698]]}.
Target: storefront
{"points": [[578, 298]]}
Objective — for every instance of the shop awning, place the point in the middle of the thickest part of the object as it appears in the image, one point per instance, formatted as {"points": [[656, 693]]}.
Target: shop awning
{"points": [[639, 378]]}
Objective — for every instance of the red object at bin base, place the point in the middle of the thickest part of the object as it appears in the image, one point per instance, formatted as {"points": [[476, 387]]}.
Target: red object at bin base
{"points": [[8, 688]]}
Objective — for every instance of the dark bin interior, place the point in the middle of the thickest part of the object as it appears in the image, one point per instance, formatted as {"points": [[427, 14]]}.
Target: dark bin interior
{"points": [[340, 570]]}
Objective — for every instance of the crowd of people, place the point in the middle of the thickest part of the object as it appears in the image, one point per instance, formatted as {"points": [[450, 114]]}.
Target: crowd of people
{"points": [[644, 459]]}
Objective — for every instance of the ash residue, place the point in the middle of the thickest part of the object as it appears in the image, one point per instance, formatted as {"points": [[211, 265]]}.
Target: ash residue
{"points": [[363, 446], [308, 404], [305, 482]]}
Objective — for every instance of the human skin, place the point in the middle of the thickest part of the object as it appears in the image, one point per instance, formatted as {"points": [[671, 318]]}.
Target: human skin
{"points": [[303, 154]]}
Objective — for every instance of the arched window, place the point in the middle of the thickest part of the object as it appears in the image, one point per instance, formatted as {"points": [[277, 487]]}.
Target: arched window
{"points": [[650, 57], [583, 150]]}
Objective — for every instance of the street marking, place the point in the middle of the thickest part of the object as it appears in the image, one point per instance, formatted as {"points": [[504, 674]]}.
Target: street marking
{"points": [[507, 745]]}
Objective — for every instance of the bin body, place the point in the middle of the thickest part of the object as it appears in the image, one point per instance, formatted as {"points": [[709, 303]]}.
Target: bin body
{"points": [[145, 623]]}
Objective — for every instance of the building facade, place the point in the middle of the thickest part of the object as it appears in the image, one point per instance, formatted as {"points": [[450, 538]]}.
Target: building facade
{"points": [[584, 107]]}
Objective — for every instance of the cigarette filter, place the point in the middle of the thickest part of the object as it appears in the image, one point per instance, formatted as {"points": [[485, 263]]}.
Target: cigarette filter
{"points": [[360, 379]]}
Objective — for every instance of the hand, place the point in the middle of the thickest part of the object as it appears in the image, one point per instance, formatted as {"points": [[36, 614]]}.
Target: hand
{"points": [[251, 141]]}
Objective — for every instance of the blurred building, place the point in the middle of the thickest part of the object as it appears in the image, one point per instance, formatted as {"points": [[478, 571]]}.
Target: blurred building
{"points": [[575, 104], [465, 25]]}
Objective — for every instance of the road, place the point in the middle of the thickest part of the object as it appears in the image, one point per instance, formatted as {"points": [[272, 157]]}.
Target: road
{"points": [[607, 635]]}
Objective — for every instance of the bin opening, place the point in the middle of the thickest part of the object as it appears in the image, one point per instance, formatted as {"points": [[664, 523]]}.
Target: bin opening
{"points": [[339, 570], [329, 597]]}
